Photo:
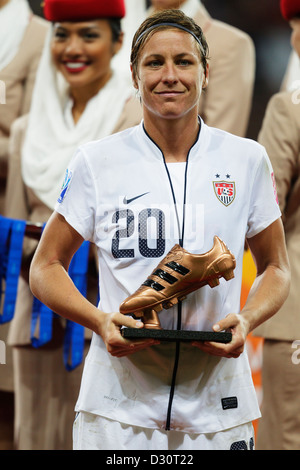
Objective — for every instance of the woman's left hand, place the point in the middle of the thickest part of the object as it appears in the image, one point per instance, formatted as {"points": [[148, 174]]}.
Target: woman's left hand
{"points": [[238, 327]]}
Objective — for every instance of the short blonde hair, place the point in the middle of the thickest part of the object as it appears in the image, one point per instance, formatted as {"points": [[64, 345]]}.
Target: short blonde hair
{"points": [[157, 22]]}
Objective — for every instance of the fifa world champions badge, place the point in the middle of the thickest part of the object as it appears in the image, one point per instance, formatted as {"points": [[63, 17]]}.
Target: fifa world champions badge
{"points": [[225, 191], [65, 186]]}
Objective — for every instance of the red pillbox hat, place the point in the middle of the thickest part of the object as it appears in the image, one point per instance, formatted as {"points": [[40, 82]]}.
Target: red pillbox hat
{"points": [[290, 8], [81, 10]]}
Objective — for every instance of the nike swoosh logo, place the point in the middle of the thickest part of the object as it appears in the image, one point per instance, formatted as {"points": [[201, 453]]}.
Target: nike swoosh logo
{"points": [[128, 201]]}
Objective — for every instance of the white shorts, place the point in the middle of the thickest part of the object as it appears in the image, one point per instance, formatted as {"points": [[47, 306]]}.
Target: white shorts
{"points": [[93, 432]]}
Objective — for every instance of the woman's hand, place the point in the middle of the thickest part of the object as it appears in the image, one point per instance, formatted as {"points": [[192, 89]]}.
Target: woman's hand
{"points": [[116, 345], [238, 327]]}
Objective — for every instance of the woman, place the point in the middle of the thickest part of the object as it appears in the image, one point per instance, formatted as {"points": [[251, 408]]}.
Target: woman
{"points": [[76, 99], [232, 68], [280, 134], [167, 395], [20, 52]]}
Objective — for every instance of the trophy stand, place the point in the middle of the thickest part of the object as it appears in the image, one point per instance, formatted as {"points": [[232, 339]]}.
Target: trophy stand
{"points": [[154, 330]]}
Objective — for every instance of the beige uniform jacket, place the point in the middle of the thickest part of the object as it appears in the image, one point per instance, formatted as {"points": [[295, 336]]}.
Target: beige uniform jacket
{"points": [[280, 134], [19, 78], [227, 101], [22, 203]]}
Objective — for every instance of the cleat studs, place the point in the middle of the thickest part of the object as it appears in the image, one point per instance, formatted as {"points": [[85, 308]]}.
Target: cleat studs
{"points": [[214, 282], [170, 303], [167, 305], [138, 314], [151, 319], [228, 275], [158, 308]]}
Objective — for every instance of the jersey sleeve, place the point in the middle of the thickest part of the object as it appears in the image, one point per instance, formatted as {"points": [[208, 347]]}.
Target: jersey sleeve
{"points": [[77, 200], [264, 207]]}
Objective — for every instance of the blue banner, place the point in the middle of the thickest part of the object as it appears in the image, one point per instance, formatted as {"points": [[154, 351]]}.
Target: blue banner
{"points": [[11, 246]]}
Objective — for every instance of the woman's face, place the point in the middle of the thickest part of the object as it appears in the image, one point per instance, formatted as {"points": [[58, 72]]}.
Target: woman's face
{"points": [[82, 52], [170, 74], [295, 37]]}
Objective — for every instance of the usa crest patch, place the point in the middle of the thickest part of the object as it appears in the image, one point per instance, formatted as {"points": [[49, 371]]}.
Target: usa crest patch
{"points": [[225, 191]]}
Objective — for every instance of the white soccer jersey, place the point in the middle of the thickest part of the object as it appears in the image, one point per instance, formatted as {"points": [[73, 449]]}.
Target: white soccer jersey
{"points": [[120, 195]]}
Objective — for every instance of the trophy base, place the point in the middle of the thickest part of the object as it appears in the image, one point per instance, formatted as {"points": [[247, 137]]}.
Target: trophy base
{"points": [[176, 335]]}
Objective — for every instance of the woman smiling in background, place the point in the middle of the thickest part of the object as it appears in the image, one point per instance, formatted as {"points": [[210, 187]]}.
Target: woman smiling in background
{"points": [[77, 98]]}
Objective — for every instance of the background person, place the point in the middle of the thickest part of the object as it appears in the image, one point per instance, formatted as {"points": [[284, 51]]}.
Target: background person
{"points": [[291, 77], [143, 395], [135, 14], [280, 134], [22, 36], [77, 98]]}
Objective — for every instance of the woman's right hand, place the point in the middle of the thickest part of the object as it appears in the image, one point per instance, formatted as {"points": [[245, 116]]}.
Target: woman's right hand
{"points": [[110, 331]]}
